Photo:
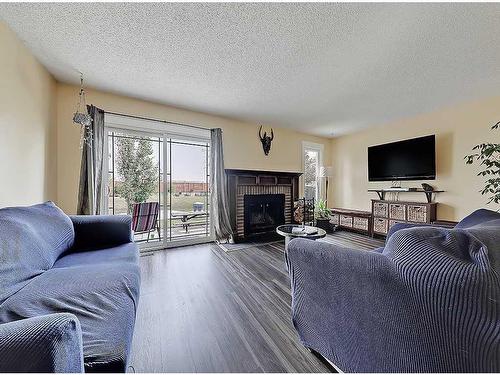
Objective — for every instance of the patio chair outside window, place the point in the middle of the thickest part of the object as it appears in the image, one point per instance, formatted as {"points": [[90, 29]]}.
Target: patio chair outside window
{"points": [[145, 218]]}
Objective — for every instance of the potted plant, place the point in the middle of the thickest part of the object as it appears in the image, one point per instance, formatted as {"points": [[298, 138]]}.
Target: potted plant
{"points": [[322, 216], [488, 157]]}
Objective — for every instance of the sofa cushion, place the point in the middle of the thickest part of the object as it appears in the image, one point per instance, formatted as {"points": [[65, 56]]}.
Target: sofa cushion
{"points": [[123, 253], [93, 232], [101, 288], [477, 243], [478, 217], [31, 240]]}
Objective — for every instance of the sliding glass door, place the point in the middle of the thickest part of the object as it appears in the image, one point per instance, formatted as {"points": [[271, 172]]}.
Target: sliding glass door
{"points": [[188, 205], [162, 182]]}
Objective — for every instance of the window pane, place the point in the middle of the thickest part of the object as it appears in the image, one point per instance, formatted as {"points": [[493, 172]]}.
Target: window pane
{"points": [[135, 177], [189, 213], [311, 167]]}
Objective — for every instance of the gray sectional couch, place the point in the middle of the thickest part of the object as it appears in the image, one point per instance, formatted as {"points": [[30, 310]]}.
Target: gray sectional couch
{"points": [[69, 289], [429, 301]]}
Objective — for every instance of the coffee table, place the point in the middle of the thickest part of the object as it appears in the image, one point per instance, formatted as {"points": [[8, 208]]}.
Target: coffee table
{"points": [[289, 234]]}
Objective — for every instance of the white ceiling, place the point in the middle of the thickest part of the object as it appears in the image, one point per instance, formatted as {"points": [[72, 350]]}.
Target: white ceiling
{"points": [[325, 69]]}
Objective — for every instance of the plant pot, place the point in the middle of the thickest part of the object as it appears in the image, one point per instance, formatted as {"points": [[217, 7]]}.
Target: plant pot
{"points": [[324, 224]]}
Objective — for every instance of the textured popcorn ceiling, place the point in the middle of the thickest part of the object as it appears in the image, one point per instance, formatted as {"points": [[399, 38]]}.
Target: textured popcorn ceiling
{"points": [[325, 69]]}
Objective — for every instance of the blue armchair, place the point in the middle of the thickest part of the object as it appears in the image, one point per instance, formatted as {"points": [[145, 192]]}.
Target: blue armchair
{"points": [[429, 301], [69, 288]]}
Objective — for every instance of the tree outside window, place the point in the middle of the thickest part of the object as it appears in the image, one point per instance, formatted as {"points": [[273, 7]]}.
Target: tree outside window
{"points": [[137, 171]]}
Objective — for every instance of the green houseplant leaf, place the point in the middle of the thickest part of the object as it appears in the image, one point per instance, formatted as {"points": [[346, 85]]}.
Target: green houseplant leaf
{"points": [[487, 156], [322, 211]]}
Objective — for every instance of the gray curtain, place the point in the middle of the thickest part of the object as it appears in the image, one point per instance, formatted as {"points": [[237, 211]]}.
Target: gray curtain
{"points": [[218, 189], [91, 169]]}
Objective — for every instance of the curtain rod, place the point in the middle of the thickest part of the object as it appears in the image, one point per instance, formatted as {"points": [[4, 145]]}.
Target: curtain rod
{"points": [[154, 119]]}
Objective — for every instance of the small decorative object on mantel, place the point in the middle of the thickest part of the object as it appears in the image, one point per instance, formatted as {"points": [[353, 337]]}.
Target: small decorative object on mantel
{"points": [[82, 118], [266, 140], [488, 157]]}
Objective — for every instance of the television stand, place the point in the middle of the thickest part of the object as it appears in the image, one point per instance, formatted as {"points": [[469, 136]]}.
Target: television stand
{"points": [[386, 213], [428, 193]]}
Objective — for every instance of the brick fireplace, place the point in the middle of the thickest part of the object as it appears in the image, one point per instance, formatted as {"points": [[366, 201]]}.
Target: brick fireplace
{"points": [[263, 212], [260, 201]]}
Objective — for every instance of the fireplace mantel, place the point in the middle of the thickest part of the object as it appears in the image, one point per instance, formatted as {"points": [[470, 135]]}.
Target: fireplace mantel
{"points": [[243, 182]]}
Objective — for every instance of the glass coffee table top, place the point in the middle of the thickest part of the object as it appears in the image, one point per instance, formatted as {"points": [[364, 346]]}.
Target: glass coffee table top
{"points": [[297, 230]]}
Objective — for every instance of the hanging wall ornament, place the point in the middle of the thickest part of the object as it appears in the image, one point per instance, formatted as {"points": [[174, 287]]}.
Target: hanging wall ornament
{"points": [[82, 118]]}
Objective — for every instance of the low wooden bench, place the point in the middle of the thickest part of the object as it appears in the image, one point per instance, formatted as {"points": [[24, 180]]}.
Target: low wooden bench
{"points": [[356, 220]]}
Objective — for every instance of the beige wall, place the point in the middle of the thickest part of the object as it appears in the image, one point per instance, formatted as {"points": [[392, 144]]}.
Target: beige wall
{"points": [[242, 148], [457, 130], [27, 125], [40, 154]]}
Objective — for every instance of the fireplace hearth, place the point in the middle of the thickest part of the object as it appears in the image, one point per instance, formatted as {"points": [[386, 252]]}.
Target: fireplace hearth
{"points": [[259, 201], [263, 213]]}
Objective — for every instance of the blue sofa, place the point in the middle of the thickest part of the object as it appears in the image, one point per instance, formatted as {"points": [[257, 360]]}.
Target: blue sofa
{"points": [[69, 288], [429, 301]]}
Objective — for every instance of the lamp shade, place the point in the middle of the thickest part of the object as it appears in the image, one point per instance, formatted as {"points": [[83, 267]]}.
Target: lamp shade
{"points": [[326, 172]]}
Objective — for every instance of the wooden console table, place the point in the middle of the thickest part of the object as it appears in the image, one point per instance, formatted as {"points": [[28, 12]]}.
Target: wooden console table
{"points": [[387, 213], [359, 221], [383, 216]]}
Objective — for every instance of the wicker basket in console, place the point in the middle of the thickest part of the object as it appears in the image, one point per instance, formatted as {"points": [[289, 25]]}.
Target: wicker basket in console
{"points": [[417, 213], [362, 223], [397, 211], [380, 209], [335, 219], [379, 225], [346, 221], [387, 213]]}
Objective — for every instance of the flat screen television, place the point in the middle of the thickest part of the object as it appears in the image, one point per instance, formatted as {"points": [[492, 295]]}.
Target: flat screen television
{"points": [[411, 159]]}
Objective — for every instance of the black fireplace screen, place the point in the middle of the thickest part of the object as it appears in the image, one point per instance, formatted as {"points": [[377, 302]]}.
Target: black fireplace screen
{"points": [[263, 212]]}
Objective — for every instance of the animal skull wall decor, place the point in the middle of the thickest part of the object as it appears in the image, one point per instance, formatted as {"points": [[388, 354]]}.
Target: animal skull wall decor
{"points": [[266, 140]]}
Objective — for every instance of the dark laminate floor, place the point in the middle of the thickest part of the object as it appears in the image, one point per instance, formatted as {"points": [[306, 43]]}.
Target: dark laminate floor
{"points": [[205, 310]]}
